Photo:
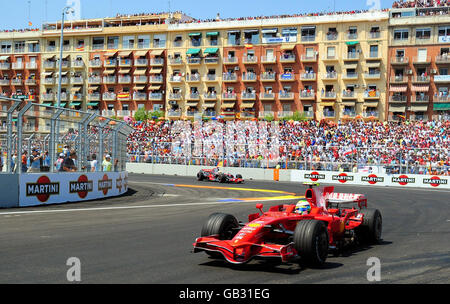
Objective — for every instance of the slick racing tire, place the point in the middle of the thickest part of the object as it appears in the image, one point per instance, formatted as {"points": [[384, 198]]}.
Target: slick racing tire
{"points": [[221, 224], [223, 178], [200, 176], [369, 232], [311, 242], [238, 176]]}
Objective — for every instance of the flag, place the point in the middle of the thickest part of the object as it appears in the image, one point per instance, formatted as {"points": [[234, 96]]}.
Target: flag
{"points": [[350, 150], [30, 23], [249, 46]]}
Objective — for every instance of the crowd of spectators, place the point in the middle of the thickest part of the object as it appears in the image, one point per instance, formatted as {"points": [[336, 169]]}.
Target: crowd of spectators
{"points": [[420, 3], [414, 147]]}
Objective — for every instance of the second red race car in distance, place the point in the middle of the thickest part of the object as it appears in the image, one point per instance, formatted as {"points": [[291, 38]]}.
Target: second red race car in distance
{"points": [[213, 175], [288, 233]]}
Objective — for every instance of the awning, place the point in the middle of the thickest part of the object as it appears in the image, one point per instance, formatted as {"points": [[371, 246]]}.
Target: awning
{"points": [[4, 58], [62, 104], [31, 41], [73, 104], [373, 64], [155, 87], [191, 103], [370, 104], [209, 104], [110, 71], [211, 51], [194, 34], [139, 87], [251, 31], [212, 34], [140, 53], [348, 103], [441, 106], [419, 108], [233, 31], [157, 53], [420, 88], [124, 71], [288, 47], [92, 104], [124, 53], [193, 51], [110, 54], [155, 71], [140, 71], [394, 88], [63, 73], [269, 31], [396, 108], [352, 42], [350, 65], [47, 73], [93, 88], [48, 104], [247, 105], [227, 105], [75, 89], [327, 104]]}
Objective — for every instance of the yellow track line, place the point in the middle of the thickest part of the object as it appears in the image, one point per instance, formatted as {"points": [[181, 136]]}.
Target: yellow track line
{"points": [[236, 189]]}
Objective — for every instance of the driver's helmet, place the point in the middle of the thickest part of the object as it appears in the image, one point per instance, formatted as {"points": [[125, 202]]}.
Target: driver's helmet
{"points": [[302, 207]]}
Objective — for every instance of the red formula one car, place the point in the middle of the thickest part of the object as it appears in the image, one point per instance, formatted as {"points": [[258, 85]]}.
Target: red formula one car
{"points": [[213, 175], [333, 221]]}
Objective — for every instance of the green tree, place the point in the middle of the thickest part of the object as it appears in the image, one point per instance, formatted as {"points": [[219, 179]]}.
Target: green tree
{"points": [[141, 115]]}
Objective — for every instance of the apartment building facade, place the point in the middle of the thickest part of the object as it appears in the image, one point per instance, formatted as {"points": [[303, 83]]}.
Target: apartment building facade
{"points": [[333, 67]]}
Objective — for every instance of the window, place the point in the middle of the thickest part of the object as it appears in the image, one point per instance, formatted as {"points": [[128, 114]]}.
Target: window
{"points": [[196, 39], [331, 52], [51, 46], [6, 46], [80, 45], [444, 34], [289, 34], [401, 34], [234, 37], [128, 42], [375, 32], [443, 71], [19, 47], [213, 38], [373, 51], [251, 36], [113, 43], [332, 33], [352, 32], [159, 41], [66, 45], [424, 33], [98, 43], [178, 41], [144, 42], [308, 33]]}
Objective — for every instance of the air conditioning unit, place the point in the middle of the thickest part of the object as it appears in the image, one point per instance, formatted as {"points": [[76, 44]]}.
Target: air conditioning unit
{"points": [[356, 85], [236, 68], [409, 72], [433, 71], [172, 102]]}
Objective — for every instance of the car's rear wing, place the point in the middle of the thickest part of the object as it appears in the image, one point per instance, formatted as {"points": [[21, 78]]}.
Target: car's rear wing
{"points": [[337, 199]]}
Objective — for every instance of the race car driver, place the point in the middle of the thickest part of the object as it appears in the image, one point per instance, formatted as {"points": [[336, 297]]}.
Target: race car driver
{"points": [[302, 207]]}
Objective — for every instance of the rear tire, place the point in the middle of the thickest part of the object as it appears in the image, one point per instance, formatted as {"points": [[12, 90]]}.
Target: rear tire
{"points": [[220, 224], [238, 176], [200, 176], [369, 232], [311, 242]]}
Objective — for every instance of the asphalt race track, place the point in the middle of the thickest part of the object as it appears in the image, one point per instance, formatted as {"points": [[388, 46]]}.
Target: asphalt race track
{"points": [[146, 236]]}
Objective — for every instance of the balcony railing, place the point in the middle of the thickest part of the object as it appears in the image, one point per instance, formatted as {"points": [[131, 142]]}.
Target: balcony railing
{"points": [[268, 59], [5, 66], [95, 63], [110, 63], [16, 82], [287, 58], [193, 96], [372, 75], [443, 98], [307, 95], [193, 78], [31, 65], [368, 114], [419, 98], [329, 94], [374, 35], [229, 77], [30, 82], [230, 60], [399, 60], [125, 62], [397, 98], [76, 97], [286, 95], [109, 79], [124, 79], [267, 95], [399, 79], [248, 96], [308, 76], [211, 60], [175, 61], [48, 97], [49, 81], [173, 78], [157, 61], [210, 77], [140, 79], [330, 75], [348, 94], [94, 97], [78, 64], [159, 79], [332, 36], [95, 80], [155, 96], [309, 57], [228, 96], [194, 60], [352, 36], [4, 82], [249, 77], [420, 79], [175, 96], [250, 59], [350, 75], [210, 96], [140, 62], [77, 80], [442, 59], [353, 55], [372, 94], [17, 65], [172, 113], [268, 76], [329, 114]]}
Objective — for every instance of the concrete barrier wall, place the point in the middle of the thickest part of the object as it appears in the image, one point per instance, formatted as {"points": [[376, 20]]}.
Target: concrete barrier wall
{"points": [[375, 180]]}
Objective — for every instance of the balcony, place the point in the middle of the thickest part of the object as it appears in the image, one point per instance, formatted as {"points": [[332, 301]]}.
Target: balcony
{"points": [[95, 80], [193, 78], [248, 96], [48, 97], [110, 63], [353, 56], [250, 59], [4, 82], [350, 76], [49, 81], [398, 99], [329, 95], [109, 79], [374, 35], [95, 63], [308, 76], [175, 96], [329, 114], [329, 76], [193, 96], [194, 61], [30, 82], [249, 77], [65, 64], [286, 96], [210, 78], [159, 79], [192, 113], [330, 58], [352, 36], [17, 66], [140, 79], [307, 95], [267, 77], [77, 80], [371, 114], [157, 61], [443, 98], [64, 96], [209, 113], [124, 96], [229, 77], [399, 79], [209, 96], [263, 114], [173, 114], [94, 96], [422, 60], [173, 78], [5, 65], [374, 56], [441, 78], [420, 79], [76, 97], [373, 94], [211, 60], [399, 60], [140, 62], [372, 76], [348, 95], [228, 96], [442, 59], [155, 96], [332, 36], [349, 114], [420, 99], [125, 63], [284, 114], [31, 65], [126, 79], [309, 58], [287, 58], [64, 80], [267, 96], [268, 59], [230, 60], [78, 64], [176, 61], [16, 82]]}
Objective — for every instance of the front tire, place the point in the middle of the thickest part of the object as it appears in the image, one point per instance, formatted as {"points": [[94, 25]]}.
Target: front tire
{"points": [[221, 224], [311, 242], [200, 176]]}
